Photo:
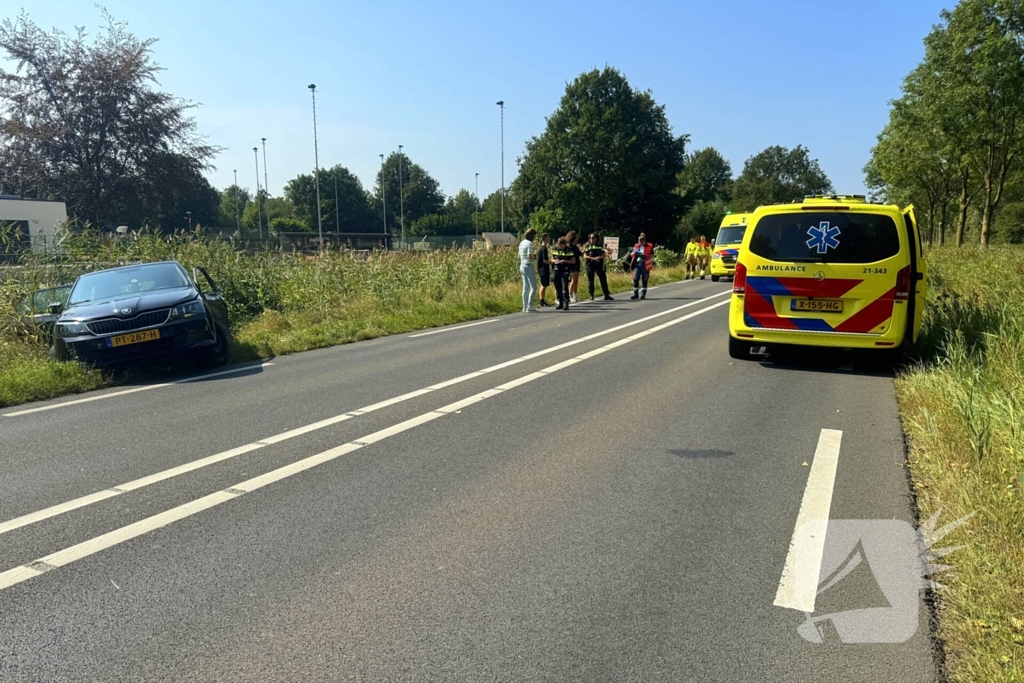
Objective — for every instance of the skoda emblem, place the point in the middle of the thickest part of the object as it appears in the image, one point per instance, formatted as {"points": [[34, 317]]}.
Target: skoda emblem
{"points": [[125, 311], [819, 276]]}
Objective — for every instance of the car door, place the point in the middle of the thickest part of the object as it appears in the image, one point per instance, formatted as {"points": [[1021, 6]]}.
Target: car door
{"points": [[919, 276], [215, 303]]}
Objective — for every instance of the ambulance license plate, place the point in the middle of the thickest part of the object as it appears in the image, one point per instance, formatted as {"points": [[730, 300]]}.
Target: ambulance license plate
{"points": [[817, 305]]}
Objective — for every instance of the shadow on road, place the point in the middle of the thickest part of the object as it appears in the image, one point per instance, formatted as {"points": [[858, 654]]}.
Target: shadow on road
{"points": [[830, 361]]}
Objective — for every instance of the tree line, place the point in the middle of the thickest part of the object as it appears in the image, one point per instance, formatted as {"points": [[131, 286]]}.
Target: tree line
{"points": [[83, 122], [954, 143]]}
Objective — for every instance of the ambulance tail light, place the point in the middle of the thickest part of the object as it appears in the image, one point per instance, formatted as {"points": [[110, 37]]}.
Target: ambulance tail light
{"points": [[739, 279], [903, 284]]}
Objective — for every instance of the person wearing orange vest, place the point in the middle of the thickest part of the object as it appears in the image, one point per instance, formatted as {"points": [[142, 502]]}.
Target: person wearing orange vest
{"points": [[703, 255], [641, 258]]}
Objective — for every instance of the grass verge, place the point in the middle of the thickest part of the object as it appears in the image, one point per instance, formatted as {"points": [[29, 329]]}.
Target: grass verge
{"points": [[962, 409], [278, 303]]}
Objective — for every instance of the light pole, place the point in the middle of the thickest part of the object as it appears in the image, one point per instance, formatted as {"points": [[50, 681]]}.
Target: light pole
{"points": [[501, 103], [238, 216], [316, 160], [383, 200], [401, 196], [188, 215], [476, 209], [266, 185], [259, 211]]}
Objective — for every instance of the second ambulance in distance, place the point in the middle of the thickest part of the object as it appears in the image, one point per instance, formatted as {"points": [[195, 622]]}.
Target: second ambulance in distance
{"points": [[727, 245], [832, 271]]}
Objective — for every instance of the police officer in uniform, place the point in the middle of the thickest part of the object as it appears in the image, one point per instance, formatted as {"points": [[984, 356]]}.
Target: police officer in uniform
{"points": [[562, 258], [594, 254]]}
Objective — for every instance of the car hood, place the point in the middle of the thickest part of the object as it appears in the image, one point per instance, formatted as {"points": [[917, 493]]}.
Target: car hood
{"points": [[133, 303]]}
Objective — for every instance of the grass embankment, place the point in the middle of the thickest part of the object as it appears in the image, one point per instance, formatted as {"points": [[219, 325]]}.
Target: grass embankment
{"points": [[963, 412], [279, 303]]}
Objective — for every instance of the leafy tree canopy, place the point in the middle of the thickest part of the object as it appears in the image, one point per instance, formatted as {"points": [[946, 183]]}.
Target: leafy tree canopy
{"points": [[779, 175]]}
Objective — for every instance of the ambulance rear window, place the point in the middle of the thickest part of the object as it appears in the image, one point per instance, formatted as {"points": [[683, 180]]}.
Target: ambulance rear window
{"points": [[826, 237]]}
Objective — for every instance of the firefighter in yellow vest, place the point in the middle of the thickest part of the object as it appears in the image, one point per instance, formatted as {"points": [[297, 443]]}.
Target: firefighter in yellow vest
{"points": [[690, 258], [703, 255]]}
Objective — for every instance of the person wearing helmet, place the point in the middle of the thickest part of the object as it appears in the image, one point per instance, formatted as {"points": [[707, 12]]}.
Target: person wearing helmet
{"points": [[642, 260]]}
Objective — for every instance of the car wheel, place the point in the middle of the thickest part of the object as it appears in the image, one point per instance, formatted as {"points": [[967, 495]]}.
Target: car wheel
{"points": [[715, 278], [217, 354], [738, 349]]}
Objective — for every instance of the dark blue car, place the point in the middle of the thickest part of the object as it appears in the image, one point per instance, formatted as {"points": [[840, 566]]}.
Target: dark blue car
{"points": [[139, 312]]}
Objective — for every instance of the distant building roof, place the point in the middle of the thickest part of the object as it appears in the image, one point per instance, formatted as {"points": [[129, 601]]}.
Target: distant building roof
{"points": [[500, 239]]}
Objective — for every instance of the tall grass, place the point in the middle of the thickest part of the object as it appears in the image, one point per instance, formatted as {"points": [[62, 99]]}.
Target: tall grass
{"points": [[278, 302], [963, 411]]}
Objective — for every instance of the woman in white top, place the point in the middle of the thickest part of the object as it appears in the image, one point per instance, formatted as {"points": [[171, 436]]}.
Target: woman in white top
{"points": [[526, 259]]}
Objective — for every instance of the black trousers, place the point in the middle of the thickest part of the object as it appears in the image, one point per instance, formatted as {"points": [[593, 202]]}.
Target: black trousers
{"points": [[562, 285], [601, 275]]}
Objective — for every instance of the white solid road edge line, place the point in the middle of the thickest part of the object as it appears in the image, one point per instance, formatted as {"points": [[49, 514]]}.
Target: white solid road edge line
{"points": [[148, 387], [452, 329], [63, 557], [798, 586], [91, 498]]}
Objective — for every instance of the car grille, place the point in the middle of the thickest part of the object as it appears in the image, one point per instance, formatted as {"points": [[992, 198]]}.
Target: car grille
{"points": [[729, 259], [115, 325]]}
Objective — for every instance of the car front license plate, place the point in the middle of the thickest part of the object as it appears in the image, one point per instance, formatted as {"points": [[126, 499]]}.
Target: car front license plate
{"points": [[817, 305], [133, 338]]}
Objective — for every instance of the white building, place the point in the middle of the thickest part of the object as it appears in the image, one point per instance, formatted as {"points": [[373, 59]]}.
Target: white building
{"points": [[39, 221]]}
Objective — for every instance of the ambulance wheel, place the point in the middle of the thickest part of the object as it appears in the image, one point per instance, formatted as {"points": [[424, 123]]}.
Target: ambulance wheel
{"points": [[740, 350], [715, 278]]}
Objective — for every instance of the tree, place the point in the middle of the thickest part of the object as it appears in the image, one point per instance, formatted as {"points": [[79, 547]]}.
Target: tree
{"points": [[353, 212], [489, 218], [778, 175], [462, 208], [421, 194], [706, 177], [81, 122], [607, 159], [975, 60], [1009, 225], [703, 219], [232, 199]]}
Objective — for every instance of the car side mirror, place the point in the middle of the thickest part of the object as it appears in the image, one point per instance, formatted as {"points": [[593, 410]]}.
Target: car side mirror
{"points": [[55, 308]]}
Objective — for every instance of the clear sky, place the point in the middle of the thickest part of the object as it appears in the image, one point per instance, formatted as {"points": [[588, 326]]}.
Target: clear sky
{"points": [[739, 75]]}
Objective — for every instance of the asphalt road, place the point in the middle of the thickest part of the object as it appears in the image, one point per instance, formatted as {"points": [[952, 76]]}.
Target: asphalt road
{"points": [[597, 495]]}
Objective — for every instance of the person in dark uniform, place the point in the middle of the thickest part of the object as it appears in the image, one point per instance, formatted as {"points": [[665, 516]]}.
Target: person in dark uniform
{"points": [[574, 273], [594, 254], [544, 266], [562, 259]]}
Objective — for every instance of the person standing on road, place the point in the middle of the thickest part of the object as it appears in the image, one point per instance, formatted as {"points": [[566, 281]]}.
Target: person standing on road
{"points": [[562, 259], [642, 261], [574, 273], [544, 266], [690, 258], [594, 254], [703, 255], [526, 259]]}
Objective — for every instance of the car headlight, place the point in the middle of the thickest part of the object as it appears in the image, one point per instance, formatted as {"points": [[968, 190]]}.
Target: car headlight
{"points": [[188, 310], [716, 256], [72, 329]]}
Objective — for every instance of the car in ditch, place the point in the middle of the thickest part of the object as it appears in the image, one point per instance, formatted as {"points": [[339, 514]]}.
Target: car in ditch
{"points": [[141, 312]]}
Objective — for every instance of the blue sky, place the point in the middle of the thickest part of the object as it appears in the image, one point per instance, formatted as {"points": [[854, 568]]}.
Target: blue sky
{"points": [[739, 75]]}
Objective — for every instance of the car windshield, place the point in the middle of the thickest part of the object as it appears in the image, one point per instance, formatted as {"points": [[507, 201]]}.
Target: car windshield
{"points": [[826, 237], [732, 235], [109, 284]]}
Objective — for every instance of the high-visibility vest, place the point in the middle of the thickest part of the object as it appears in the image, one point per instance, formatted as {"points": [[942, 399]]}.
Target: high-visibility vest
{"points": [[562, 255], [648, 252], [704, 249], [691, 248]]}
